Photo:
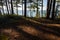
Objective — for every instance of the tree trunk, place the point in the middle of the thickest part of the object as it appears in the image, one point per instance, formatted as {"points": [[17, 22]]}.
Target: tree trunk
{"points": [[25, 8], [42, 9], [7, 6], [16, 8], [12, 8], [22, 9], [53, 10], [0, 12], [2, 7], [37, 14], [30, 12], [49, 3]]}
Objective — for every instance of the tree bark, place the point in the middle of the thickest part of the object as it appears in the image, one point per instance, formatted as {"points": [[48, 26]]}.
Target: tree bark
{"points": [[53, 10], [16, 8], [0, 12], [12, 8], [2, 7], [37, 14], [42, 9], [22, 9], [7, 6], [25, 8], [49, 3], [37, 10]]}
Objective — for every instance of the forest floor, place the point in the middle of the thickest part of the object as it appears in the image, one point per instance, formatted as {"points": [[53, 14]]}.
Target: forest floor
{"points": [[21, 28]]}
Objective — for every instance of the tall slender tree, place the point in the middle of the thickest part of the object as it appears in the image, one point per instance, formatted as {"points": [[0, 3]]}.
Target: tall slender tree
{"points": [[48, 12], [12, 8], [25, 8], [2, 6], [42, 7], [37, 14], [7, 6], [37, 9], [53, 10], [16, 8], [22, 7], [0, 12], [17, 2]]}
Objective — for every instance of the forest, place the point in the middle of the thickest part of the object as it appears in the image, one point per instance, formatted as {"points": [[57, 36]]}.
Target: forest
{"points": [[29, 19]]}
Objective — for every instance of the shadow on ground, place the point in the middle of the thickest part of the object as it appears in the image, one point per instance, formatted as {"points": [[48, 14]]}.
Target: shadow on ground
{"points": [[29, 30]]}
